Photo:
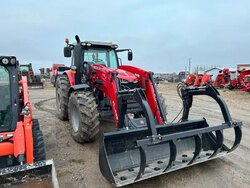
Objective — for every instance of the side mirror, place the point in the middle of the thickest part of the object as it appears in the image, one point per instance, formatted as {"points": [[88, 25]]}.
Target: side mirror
{"points": [[67, 51], [130, 55]]}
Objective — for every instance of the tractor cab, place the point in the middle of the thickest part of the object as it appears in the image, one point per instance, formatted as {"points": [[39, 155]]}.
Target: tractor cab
{"points": [[8, 94], [91, 52]]}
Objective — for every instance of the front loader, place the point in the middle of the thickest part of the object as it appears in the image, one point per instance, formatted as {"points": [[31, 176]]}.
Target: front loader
{"points": [[144, 144], [22, 153]]}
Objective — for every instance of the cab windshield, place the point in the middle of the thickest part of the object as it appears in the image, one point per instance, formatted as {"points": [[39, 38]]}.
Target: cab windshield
{"points": [[106, 57], [5, 104], [24, 67]]}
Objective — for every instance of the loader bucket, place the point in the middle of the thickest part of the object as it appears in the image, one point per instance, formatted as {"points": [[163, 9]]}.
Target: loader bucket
{"points": [[35, 85], [129, 156], [40, 174]]}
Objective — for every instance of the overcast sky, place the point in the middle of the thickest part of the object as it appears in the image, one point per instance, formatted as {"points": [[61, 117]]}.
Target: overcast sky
{"points": [[163, 34]]}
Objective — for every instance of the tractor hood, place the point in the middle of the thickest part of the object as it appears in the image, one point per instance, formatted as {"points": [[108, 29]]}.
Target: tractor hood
{"points": [[126, 75]]}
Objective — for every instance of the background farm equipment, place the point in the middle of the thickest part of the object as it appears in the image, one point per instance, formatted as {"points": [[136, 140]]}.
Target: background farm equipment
{"points": [[223, 78], [242, 82], [145, 144], [197, 80], [22, 153], [34, 81], [45, 73], [57, 70]]}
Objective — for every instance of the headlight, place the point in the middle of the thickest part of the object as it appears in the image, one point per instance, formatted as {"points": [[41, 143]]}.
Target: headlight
{"points": [[5, 61], [13, 61]]}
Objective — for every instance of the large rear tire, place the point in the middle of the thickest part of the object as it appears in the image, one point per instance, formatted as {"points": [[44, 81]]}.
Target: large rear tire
{"points": [[83, 116], [38, 142], [62, 94]]}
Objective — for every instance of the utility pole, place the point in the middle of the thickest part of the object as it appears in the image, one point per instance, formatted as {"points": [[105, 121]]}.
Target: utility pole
{"points": [[189, 64], [185, 71]]}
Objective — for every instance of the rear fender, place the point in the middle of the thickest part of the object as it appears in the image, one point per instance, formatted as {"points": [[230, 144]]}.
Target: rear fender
{"points": [[70, 76]]}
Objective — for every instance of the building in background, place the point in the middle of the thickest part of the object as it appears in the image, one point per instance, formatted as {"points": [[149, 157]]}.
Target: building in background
{"points": [[216, 70], [243, 66]]}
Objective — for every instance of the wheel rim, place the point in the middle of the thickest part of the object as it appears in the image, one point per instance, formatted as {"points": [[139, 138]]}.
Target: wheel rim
{"points": [[75, 118]]}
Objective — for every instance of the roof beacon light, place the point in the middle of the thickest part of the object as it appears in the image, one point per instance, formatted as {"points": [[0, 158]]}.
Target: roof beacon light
{"points": [[67, 40]]}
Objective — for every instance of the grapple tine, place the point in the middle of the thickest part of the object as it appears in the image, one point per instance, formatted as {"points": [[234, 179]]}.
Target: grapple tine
{"points": [[219, 143], [238, 137], [198, 148], [172, 155], [143, 163]]}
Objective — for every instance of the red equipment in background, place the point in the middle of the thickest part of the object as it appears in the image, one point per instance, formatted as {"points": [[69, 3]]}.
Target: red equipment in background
{"points": [[57, 70], [198, 80], [54, 68], [223, 78], [242, 82]]}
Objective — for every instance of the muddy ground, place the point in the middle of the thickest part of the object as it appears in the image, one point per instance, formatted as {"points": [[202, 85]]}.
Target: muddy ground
{"points": [[77, 165]]}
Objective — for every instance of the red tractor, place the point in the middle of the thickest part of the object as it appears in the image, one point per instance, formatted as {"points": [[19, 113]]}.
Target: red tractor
{"points": [[144, 144], [242, 82], [57, 70], [22, 150], [223, 78]]}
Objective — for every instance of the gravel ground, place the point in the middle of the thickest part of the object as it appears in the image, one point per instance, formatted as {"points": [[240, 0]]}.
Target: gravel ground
{"points": [[77, 165]]}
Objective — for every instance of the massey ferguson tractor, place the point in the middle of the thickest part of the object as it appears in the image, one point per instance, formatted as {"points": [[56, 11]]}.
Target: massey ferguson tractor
{"points": [[22, 153], [144, 143]]}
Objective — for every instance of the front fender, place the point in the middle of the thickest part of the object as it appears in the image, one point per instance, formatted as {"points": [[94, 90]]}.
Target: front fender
{"points": [[71, 77], [79, 87]]}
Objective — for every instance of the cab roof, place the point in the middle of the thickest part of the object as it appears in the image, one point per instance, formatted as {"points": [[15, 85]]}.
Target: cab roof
{"points": [[98, 44]]}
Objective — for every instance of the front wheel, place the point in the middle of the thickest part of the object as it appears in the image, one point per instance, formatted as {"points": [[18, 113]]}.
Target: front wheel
{"points": [[83, 116], [62, 90]]}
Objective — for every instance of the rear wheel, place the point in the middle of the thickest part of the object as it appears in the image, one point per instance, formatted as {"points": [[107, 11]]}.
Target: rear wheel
{"points": [[62, 90], [38, 142], [83, 116]]}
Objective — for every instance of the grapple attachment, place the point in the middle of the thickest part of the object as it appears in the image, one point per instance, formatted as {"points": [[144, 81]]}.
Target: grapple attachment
{"points": [[129, 156], [37, 174]]}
